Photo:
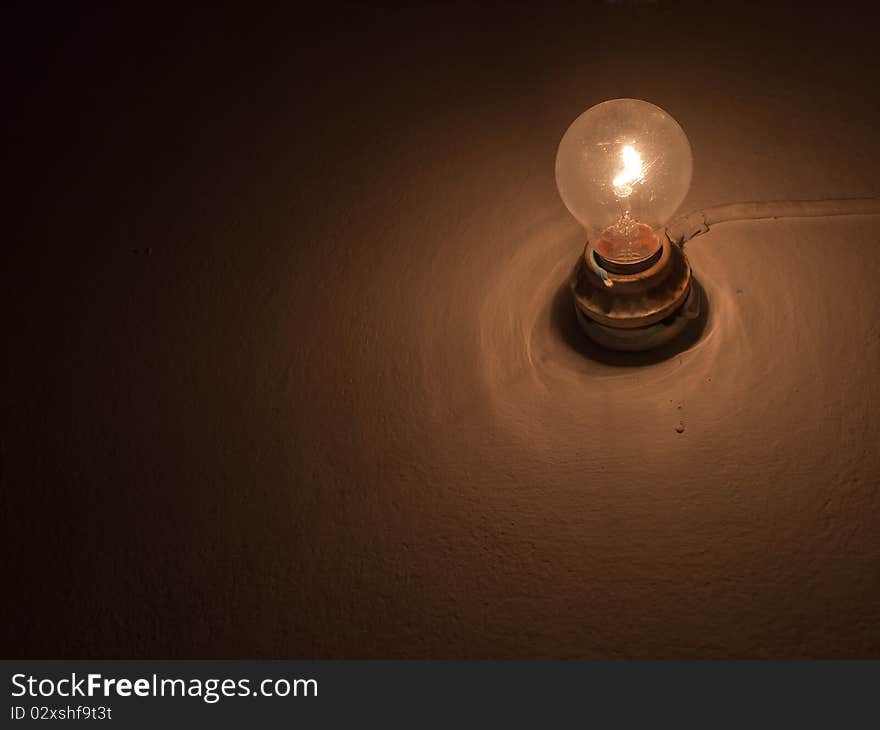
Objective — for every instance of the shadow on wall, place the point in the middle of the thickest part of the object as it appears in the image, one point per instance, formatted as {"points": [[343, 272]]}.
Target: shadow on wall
{"points": [[563, 321]]}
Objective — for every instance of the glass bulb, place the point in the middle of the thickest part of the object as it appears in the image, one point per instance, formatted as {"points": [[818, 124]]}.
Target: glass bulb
{"points": [[623, 168]]}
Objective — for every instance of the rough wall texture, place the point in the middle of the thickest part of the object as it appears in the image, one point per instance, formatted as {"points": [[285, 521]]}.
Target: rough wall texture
{"points": [[291, 376]]}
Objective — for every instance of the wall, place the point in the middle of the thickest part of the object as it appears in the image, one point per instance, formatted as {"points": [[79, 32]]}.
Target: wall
{"points": [[291, 375]]}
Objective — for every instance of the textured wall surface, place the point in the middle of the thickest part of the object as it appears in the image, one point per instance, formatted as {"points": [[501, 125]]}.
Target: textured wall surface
{"points": [[291, 373]]}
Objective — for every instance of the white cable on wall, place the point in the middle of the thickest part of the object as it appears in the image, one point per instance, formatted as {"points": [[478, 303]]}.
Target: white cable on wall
{"points": [[693, 224]]}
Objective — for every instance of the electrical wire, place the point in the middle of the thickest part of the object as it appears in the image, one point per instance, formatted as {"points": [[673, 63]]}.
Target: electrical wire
{"points": [[694, 224]]}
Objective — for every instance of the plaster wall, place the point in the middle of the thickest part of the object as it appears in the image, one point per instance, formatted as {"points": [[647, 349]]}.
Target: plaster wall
{"points": [[291, 375]]}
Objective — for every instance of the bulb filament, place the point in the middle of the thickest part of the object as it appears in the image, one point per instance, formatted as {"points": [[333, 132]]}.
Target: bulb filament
{"points": [[632, 172]]}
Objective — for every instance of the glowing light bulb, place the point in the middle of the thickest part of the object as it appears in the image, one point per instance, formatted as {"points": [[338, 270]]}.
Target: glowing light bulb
{"points": [[623, 168]]}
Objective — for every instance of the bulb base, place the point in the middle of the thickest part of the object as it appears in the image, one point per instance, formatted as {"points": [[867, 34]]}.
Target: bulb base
{"points": [[639, 307]]}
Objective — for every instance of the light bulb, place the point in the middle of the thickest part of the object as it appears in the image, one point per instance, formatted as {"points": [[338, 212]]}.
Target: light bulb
{"points": [[623, 168]]}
